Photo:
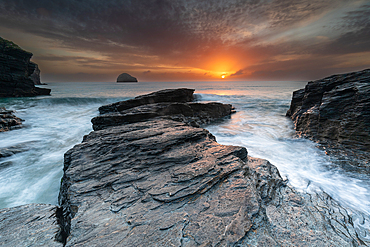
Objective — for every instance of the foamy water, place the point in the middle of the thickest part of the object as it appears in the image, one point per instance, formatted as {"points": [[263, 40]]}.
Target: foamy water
{"points": [[54, 124]]}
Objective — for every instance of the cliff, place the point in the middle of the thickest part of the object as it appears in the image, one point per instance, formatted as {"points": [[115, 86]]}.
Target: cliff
{"points": [[18, 74]]}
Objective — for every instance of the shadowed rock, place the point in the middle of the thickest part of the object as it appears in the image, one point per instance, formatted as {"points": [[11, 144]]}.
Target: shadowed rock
{"points": [[124, 77], [336, 112], [154, 181], [17, 73]]}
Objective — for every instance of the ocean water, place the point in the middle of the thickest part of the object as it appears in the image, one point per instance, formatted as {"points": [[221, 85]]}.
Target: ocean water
{"points": [[53, 124]]}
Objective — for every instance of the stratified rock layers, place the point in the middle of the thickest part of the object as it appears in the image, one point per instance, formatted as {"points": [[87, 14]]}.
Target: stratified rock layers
{"points": [[18, 74], [160, 182], [336, 111]]}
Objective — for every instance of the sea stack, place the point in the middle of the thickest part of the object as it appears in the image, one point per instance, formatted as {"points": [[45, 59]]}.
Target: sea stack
{"points": [[335, 111], [18, 75], [124, 77]]}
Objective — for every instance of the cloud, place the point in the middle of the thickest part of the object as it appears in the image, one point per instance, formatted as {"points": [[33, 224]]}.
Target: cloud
{"points": [[146, 72], [188, 35], [239, 72]]}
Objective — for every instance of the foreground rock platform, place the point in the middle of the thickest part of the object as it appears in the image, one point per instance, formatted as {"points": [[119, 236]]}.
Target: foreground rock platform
{"points": [[18, 75], [156, 180], [335, 111]]}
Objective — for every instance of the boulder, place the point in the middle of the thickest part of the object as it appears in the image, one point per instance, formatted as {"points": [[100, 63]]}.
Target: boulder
{"points": [[17, 73], [8, 120], [335, 111], [124, 77]]}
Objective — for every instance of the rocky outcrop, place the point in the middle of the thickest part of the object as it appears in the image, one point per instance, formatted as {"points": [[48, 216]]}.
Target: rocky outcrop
{"points": [[155, 181], [8, 120], [30, 225], [180, 95], [124, 77], [17, 74], [335, 111]]}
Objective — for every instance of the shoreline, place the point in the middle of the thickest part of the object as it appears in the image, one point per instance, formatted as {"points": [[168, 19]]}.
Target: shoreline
{"points": [[250, 164]]}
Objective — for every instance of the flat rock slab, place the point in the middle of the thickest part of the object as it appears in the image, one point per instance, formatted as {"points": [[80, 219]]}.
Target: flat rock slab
{"points": [[29, 225]]}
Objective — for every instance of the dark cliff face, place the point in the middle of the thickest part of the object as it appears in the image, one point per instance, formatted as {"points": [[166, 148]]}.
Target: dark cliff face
{"points": [[336, 112], [17, 73]]}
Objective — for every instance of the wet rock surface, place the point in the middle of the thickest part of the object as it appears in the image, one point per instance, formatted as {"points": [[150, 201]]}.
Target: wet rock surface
{"points": [[335, 111], [155, 181], [8, 120], [29, 225], [18, 74]]}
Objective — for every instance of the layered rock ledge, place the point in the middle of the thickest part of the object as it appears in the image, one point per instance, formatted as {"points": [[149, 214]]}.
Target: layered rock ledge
{"points": [[18, 75], [147, 178], [335, 111]]}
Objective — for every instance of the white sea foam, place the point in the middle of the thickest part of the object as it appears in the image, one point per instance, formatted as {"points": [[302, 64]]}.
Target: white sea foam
{"points": [[55, 123]]}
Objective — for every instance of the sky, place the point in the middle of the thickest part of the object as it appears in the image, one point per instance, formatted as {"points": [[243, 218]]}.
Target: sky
{"points": [[190, 40]]}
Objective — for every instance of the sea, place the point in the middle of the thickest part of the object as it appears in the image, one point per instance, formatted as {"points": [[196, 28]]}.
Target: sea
{"points": [[53, 124]]}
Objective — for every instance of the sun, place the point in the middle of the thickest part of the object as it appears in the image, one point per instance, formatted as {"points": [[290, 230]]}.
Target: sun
{"points": [[223, 76]]}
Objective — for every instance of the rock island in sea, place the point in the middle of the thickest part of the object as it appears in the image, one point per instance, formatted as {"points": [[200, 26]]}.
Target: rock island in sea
{"points": [[124, 77], [150, 175]]}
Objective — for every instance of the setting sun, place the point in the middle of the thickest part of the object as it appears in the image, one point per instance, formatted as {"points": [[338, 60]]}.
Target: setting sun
{"points": [[223, 76]]}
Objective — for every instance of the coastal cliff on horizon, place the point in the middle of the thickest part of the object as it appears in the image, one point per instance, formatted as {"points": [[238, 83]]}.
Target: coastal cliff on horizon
{"points": [[18, 75]]}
